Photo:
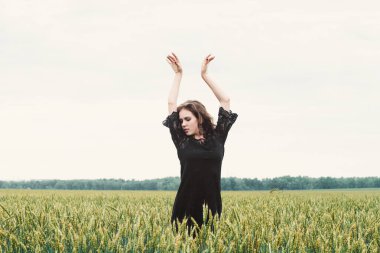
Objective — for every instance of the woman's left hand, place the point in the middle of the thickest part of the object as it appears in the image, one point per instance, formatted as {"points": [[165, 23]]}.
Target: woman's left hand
{"points": [[205, 63]]}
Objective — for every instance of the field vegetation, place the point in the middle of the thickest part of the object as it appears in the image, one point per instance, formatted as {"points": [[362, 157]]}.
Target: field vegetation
{"points": [[139, 221]]}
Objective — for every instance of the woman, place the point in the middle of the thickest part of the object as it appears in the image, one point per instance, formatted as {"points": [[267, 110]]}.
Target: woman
{"points": [[200, 148]]}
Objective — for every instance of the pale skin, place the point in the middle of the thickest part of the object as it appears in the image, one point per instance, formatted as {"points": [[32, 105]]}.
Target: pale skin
{"points": [[188, 121]]}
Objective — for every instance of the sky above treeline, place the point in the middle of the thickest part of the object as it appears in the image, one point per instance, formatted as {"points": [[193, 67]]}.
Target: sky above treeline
{"points": [[84, 86]]}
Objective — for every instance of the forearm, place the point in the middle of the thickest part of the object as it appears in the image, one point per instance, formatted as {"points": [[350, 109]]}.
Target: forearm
{"points": [[220, 95], [173, 94]]}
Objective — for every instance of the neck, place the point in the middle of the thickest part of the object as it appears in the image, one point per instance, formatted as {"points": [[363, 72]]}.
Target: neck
{"points": [[198, 136]]}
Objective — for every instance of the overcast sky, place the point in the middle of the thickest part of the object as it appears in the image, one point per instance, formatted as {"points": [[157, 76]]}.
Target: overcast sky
{"points": [[84, 86]]}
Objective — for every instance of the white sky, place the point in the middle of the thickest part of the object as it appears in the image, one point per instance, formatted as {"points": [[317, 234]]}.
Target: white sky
{"points": [[84, 86]]}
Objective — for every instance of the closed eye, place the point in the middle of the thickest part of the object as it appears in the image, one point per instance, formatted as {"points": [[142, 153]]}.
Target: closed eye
{"points": [[186, 118]]}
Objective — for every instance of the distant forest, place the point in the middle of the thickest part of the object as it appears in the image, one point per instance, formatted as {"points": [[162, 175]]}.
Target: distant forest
{"points": [[172, 183]]}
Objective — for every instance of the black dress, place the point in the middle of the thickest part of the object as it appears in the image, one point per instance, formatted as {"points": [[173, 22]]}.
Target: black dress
{"points": [[201, 164]]}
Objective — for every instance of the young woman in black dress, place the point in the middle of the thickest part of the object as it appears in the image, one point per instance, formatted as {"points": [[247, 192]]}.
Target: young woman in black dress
{"points": [[200, 148]]}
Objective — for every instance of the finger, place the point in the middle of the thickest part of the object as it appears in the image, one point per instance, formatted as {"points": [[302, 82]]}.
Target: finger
{"points": [[171, 61], [175, 56]]}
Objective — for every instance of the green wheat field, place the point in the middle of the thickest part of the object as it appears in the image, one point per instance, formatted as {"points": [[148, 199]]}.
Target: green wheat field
{"points": [[139, 221]]}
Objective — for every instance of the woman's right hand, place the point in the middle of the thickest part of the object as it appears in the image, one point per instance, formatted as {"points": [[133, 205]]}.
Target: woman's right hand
{"points": [[174, 62]]}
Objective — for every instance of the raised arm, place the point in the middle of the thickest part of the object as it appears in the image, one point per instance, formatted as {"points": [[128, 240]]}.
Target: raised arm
{"points": [[224, 100], [173, 94]]}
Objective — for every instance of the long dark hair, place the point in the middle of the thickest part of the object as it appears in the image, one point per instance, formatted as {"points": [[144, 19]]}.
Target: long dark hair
{"points": [[205, 121]]}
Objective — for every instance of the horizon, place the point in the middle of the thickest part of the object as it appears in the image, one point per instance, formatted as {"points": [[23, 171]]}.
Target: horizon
{"points": [[179, 177]]}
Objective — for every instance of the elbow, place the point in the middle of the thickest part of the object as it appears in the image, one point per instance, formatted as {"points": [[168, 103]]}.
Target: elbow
{"points": [[225, 100], [225, 103], [172, 104]]}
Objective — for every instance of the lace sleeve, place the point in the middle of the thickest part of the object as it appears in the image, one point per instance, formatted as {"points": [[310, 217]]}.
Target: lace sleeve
{"points": [[172, 122], [225, 121]]}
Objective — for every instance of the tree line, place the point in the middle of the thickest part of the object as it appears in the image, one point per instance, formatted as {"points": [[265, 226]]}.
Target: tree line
{"points": [[172, 183]]}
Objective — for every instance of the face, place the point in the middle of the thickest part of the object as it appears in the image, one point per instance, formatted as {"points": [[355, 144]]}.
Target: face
{"points": [[189, 122]]}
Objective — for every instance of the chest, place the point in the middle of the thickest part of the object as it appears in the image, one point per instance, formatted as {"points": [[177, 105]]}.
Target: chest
{"points": [[211, 149]]}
